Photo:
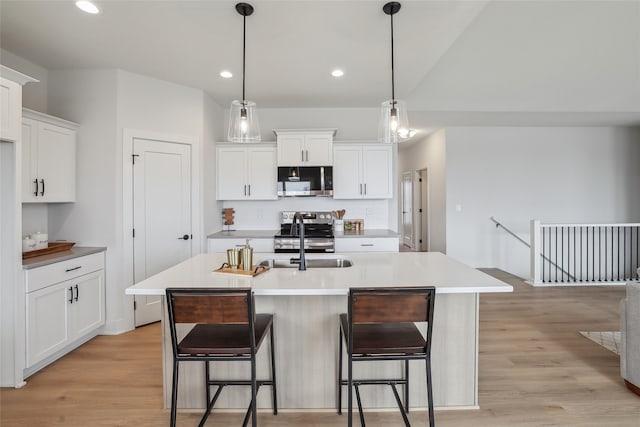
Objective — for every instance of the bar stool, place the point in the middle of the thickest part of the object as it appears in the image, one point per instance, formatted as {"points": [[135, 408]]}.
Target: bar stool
{"points": [[226, 329], [380, 325]]}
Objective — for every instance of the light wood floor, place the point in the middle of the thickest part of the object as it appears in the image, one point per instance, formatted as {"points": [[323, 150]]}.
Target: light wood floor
{"points": [[535, 370]]}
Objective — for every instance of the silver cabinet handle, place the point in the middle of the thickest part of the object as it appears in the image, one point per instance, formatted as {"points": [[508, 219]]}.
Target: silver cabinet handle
{"points": [[366, 244], [365, 189], [245, 189], [302, 155], [249, 189], [307, 151], [360, 188]]}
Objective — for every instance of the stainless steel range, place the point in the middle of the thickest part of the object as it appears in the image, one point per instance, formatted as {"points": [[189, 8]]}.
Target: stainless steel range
{"points": [[318, 232]]}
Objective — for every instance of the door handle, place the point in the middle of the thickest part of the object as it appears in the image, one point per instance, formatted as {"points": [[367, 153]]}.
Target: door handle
{"points": [[307, 154], [249, 189], [245, 189], [70, 295], [185, 237], [42, 182], [35, 181], [77, 293], [302, 155], [365, 189]]}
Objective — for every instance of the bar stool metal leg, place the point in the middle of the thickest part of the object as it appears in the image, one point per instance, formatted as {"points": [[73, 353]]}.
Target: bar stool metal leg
{"points": [[340, 371], [432, 422], [174, 393], [273, 374]]}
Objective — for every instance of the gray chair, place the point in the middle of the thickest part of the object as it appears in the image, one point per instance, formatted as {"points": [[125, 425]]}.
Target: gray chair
{"points": [[630, 337]]}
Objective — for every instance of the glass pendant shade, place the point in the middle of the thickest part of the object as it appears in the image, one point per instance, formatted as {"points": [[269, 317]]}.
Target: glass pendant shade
{"points": [[243, 122], [394, 123]]}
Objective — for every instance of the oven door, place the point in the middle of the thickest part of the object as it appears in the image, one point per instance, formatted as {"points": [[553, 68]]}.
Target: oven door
{"points": [[291, 244]]}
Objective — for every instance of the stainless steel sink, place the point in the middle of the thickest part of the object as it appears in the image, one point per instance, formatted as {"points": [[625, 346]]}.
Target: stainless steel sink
{"points": [[311, 263]]}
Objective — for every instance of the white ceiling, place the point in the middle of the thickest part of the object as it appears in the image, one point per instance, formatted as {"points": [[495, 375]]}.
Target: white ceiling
{"points": [[457, 62]]}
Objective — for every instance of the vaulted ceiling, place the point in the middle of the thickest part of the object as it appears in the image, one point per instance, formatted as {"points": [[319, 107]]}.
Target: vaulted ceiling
{"points": [[457, 62]]}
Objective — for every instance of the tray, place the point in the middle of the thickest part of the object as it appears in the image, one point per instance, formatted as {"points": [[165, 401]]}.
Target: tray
{"points": [[255, 270], [52, 249]]}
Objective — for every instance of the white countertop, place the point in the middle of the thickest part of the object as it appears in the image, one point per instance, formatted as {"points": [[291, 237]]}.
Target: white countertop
{"points": [[368, 270]]}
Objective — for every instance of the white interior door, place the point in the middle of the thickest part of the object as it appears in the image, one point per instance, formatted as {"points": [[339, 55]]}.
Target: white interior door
{"points": [[161, 214], [407, 209]]}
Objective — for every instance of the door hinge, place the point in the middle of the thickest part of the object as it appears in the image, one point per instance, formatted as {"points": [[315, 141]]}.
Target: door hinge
{"points": [[135, 306], [133, 158]]}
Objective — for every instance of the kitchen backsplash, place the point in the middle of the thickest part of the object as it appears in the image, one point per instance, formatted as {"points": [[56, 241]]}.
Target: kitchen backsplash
{"points": [[265, 215]]}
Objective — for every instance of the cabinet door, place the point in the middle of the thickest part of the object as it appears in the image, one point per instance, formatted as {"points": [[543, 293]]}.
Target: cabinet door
{"points": [[262, 177], [347, 167], [231, 173], [86, 313], [377, 172], [291, 150], [56, 163], [47, 317], [318, 150], [10, 110], [30, 161]]}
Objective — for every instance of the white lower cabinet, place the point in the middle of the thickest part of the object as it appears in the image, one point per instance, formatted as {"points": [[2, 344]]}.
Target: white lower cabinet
{"points": [[61, 314], [367, 244]]}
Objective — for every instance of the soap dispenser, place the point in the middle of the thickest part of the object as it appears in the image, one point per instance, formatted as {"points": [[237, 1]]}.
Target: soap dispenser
{"points": [[247, 257]]}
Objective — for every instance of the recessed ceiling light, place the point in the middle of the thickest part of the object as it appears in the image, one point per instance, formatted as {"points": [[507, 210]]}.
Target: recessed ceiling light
{"points": [[226, 74], [337, 73], [87, 6]]}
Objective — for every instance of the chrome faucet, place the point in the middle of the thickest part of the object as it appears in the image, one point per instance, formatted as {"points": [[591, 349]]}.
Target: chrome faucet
{"points": [[302, 264]]}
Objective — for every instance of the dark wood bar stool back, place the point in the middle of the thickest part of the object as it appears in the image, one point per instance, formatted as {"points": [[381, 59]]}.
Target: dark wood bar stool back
{"points": [[226, 328], [381, 325]]}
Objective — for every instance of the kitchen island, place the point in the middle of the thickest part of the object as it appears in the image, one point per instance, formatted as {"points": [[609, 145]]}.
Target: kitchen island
{"points": [[306, 305]]}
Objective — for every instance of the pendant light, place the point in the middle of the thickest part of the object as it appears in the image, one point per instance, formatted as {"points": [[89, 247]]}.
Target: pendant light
{"points": [[243, 118], [394, 124]]}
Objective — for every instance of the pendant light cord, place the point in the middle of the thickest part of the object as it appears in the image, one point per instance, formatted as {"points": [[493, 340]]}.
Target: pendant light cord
{"points": [[393, 88], [244, 48]]}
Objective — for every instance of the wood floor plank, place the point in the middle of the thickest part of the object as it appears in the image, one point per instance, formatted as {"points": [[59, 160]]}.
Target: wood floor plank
{"points": [[535, 370]]}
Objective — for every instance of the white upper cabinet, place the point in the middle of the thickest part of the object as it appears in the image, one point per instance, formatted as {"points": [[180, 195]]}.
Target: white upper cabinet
{"points": [[11, 84], [362, 171], [10, 110], [246, 172], [48, 158], [305, 148]]}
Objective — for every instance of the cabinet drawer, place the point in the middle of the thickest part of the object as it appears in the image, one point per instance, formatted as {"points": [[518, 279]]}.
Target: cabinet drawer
{"points": [[372, 244], [42, 277]]}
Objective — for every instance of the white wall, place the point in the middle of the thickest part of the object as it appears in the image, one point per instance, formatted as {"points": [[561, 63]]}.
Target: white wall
{"points": [[352, 123], [587, 174], [430, 154], [214, 130], [105, 102]]}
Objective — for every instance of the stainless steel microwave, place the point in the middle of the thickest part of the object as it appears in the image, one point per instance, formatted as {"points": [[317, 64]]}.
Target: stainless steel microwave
{"points": [[305, 181]]}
